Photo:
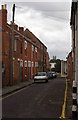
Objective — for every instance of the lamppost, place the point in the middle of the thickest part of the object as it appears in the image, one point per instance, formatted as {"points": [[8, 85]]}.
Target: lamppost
{"points": [[11, 74]]}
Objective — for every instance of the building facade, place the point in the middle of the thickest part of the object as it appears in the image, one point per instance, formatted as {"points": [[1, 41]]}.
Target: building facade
{"points": [[29, 53], [48, 63], [74, 27], [63, 67], [42, 50], [70, 67]]}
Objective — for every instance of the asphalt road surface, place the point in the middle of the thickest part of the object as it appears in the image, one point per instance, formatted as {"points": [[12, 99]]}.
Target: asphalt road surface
{"points": [[42, 100]]}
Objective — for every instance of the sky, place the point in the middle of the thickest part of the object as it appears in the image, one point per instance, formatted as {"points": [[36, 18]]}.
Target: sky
{"points": [[48, 20]]}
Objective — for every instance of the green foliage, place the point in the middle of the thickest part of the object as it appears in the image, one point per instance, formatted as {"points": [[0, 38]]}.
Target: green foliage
{"points": [[58, 66], [52, 69], [52, 61], [48, 69]]}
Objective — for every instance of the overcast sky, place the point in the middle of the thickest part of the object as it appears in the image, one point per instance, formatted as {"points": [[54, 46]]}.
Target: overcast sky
{"points": [[49, 21]]}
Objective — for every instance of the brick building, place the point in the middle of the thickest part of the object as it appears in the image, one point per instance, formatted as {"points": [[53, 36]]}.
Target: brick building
{"points": [[24, 65], [29, 53], [70, 67], [42, 50], [48, 63]]}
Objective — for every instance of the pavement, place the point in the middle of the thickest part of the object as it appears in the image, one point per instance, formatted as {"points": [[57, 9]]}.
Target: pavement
{"points": [[10, 89], [68, 110]]}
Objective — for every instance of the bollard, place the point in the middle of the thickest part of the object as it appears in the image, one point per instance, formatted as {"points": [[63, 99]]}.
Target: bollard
{"points": [[74, 100]]}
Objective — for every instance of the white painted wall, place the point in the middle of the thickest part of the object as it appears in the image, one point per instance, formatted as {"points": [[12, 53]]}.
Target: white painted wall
{"points": [[52, 65]]}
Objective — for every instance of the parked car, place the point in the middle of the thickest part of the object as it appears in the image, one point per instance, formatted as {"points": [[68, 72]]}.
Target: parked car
{"points": [[41, 77], [54, 74], [50, 75]]}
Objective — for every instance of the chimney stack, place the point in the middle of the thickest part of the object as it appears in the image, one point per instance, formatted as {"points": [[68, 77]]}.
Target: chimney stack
{"points": [[15, 26], [3, 16], [4, 7], [21, 29]]}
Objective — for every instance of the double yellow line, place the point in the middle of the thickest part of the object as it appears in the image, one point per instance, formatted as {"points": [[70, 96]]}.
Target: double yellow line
{"points": [[15, 92], [64, 105]]}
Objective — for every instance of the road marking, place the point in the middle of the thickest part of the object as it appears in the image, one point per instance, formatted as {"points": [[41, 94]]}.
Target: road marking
{"points": [[64, 105], [14, 92]]}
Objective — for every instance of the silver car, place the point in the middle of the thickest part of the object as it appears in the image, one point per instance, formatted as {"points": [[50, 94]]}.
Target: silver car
{"points": [[41, 77]]}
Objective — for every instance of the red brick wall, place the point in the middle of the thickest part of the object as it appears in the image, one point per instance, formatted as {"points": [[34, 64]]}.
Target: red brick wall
{"points": [[17, 55], [5, 56], [41, 50], [3, 18], [48, 64], [70, 67]]}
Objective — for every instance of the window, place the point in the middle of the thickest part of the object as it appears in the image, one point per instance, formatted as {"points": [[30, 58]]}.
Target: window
{"points": [[25, 63], [25, 48], [32, 48], [29, 63], [25, 44], [21, 63], [21, 48], [15, 45], [32, 52], [25, 52], [35, 49], [32, 64], [35, 64], [35, 52]]}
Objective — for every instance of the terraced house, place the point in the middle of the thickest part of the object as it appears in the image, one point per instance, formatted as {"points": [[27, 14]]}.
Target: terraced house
{"points": [[29, 53], [42, 50]]}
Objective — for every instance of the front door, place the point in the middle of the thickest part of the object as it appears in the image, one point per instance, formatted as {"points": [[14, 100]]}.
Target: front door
{"points": [[21, 75], [18, 71], [3, 75]]}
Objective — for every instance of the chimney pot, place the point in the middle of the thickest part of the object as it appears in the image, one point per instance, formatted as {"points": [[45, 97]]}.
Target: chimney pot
{"points": [[21, 29], [10, 22], [2, 7], [5, 6]]}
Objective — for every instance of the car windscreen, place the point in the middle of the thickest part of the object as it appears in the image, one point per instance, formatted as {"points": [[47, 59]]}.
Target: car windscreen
{"points": [[41, 74], [53, 72]]}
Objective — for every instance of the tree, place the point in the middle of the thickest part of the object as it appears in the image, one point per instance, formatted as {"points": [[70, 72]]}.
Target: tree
{"points": [[52, 61], [48, 69], [58, 65], [52, 69]]}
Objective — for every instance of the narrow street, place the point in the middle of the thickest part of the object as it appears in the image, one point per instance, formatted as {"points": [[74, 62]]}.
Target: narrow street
{"points": [[40, 100]]}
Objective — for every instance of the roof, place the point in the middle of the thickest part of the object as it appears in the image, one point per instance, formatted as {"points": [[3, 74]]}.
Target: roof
{"points": [[27, 39], [36, 37]]}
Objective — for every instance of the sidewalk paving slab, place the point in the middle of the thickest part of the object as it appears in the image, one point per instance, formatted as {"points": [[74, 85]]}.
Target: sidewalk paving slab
{"points": [[10, 89]]}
